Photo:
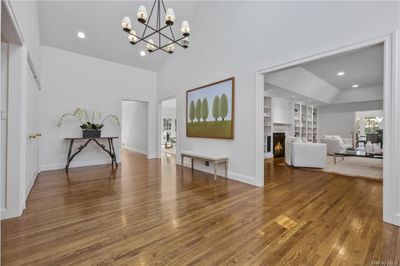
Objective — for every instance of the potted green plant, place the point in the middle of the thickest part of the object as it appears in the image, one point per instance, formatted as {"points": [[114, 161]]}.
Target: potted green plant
{"points": [[91, 128]]}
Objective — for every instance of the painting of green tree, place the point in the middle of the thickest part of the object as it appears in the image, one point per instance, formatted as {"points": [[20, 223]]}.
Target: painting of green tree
{"points": [[210, 110]]}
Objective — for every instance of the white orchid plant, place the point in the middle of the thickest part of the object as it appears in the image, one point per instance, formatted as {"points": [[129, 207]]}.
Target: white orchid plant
{"points": [[94, 124]]}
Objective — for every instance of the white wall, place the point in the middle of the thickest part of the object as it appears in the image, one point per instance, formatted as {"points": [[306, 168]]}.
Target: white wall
{"points": [[285, 31], [281, 111], [134, 135], [26, 13], [338, 119], [72, 80]]}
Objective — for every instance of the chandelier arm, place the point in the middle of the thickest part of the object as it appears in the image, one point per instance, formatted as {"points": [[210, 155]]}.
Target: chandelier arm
{"points": [[165, 45], [159, 24], [165, 10], [148, 21], [165, 36], [144, 40], [172, 32]]}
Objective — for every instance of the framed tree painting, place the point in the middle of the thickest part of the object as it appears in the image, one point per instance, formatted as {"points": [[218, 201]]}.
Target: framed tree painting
{"points": [[210, 110]]}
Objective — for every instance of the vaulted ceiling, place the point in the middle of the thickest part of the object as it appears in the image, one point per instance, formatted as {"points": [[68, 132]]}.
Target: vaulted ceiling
{"points": [[101, 22]]}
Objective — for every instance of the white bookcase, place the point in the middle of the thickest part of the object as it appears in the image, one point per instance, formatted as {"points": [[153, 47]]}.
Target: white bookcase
{"points": [[306, 122], [267, 126]]}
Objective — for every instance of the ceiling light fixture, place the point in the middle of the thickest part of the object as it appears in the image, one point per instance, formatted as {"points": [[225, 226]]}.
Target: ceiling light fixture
{"points": [[340, 73], [81, 35], [355, 86], [163, 37], [142, 53]]}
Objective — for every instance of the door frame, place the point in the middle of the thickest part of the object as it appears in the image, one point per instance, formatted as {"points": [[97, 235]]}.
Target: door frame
{"points": [[391, 106], [159, 128], [149, 139]]}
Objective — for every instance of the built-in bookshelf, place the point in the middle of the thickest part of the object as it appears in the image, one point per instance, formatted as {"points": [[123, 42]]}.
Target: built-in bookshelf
{"points": [[306, 122], [267, 126]]}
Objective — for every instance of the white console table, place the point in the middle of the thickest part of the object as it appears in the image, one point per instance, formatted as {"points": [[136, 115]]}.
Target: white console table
{"points": [[207, 157]]}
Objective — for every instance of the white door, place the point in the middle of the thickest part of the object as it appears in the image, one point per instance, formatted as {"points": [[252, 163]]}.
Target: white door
{"points": [[33, 136]]}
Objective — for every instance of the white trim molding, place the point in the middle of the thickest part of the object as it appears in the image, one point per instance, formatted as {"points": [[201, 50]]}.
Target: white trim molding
{"points": [[391, 171], [75, 164]]}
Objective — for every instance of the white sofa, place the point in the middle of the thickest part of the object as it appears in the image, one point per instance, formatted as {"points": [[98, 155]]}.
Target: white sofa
{"points": [[336, 143], [299, 154]]}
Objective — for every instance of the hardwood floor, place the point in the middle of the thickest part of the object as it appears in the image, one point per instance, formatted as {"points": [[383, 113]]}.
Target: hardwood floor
{"points": [[148, 213]]}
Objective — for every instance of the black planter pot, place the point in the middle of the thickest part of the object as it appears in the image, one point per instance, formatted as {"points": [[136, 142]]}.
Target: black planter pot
{"points": [[91, 134]]}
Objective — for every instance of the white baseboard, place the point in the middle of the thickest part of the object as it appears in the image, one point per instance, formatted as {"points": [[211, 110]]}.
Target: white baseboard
{"points": [[152, 156], [74, 164], [231, 175], [6, 214], [132, 149]]}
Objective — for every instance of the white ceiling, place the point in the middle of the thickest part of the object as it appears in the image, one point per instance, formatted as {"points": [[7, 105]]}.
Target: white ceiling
{"points": [[101, 22], [363, 67], [273, 90]]}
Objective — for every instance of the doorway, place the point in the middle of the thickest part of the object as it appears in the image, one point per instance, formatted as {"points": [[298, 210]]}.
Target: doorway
{"points": [[134, 126], [390, 211], [168, 127]]}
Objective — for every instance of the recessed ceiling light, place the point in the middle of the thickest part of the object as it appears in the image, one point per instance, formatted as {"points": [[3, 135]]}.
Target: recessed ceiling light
{"points": [[355, 86], [293, 96], [142, 53], [340, 73], [81, 35]]}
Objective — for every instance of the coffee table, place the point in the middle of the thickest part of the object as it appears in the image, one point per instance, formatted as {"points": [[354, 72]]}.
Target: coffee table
{"points": [[357, 153]]}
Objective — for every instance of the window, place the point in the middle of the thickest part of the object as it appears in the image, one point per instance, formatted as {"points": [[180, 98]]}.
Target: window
{"points": [[372, 124]]}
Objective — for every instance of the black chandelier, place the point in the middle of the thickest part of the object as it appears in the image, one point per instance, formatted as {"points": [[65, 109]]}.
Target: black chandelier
{"points": [[158, 37]]}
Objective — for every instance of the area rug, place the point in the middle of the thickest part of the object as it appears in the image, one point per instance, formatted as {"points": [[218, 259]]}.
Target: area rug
{"points": [[355, 166]]}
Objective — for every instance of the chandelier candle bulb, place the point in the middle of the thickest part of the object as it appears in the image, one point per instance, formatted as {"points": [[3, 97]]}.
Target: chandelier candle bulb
{"points": [[150, 46], [133, 39], [185, 42], [169, 17], [142, 14], [185, 28], [170, 48], [126, 24]]}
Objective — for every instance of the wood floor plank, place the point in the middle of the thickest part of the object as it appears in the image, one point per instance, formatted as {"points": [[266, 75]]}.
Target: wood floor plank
{"points": [[152, 212]]}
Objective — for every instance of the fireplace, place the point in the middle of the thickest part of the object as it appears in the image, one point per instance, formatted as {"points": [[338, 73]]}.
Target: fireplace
{"points": [[279, 144]]}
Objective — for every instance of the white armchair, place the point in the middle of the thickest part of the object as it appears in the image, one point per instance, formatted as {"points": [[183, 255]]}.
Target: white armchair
{"points": [[305, 154], [336, 143]]}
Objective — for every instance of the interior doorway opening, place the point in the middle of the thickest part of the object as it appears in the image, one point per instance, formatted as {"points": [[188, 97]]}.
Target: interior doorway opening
{"points": [[390, 212], [168, 125], [310, 110], [134, 127]]}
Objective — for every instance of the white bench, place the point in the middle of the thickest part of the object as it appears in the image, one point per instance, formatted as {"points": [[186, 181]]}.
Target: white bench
{"points": [[215, 159]]}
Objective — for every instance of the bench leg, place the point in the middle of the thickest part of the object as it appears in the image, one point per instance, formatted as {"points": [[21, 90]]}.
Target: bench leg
{"points": [[226, 169], [192, 165], [215, 170], [182, 157]]}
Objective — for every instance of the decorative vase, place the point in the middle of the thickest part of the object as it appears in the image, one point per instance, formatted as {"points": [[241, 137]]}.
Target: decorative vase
{"points": [[91, 134]]}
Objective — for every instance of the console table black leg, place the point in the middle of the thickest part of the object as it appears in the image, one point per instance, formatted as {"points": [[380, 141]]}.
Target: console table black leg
{"points": [[69, 155], [111, 155], [113, 152]]}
